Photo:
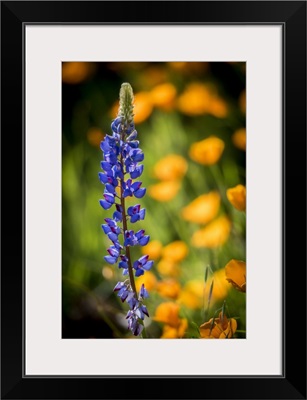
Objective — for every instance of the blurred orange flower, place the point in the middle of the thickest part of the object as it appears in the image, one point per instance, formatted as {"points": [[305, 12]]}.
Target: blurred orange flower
{"points": [[164, 191], [199, 99], [219, 328], [76, 72], [95, 136], [239, 138], [237, 197], [175, 251], [168, 313], [220, 287], [235, 272], [168, 288], [203, 209], [168, 268], [215, 234], [163, 96], [207, 151], [153, 249], [142, 107], [192, 295], [148, 279], [152, 75], [195, 100], [218, 108], [170, 168], [170, 332]]}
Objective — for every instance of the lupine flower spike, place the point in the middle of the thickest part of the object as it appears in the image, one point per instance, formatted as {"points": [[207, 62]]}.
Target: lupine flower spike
{"points": [[121, 166]]}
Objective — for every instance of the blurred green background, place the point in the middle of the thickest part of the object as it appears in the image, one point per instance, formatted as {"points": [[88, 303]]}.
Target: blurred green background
{"points": [[177, 106]]}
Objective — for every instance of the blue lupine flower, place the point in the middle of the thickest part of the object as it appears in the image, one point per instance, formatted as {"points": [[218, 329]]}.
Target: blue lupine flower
{"points": [[121, 157], [113, 255], [124, 264], [118, 214], [132, 239], [141, 265], [143, 292], [136, 213], [133, 323], [111, 226], [133, 189], [123, 291]]}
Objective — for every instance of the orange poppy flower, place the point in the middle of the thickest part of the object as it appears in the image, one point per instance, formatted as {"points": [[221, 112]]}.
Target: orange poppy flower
{"points": [[175, 251], [168, 288], [148, 279], [163, 96], [237, 197], [203, 209], [239, 139], [153, 249], [168, 313], [170, 168], [219, 328], [207, 151], [235, 272], [170, 332], [164, 191], [213, 235]]}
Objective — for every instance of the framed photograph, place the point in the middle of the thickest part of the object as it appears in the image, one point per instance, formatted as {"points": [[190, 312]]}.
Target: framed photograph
{"points": [[161, 150]]}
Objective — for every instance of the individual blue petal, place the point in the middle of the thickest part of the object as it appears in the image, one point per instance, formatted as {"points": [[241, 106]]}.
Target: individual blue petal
{"points": [[136, 185], [103, 177], [113, 237], [140, 193], [104, 146], [148, 265], [110, 222], [134, 218], [118, 216], [132, 136], [138, 156], [127, 192], [131, 300], [125, 272], [139, 272], [110, 188], [111, 158], [110, 259], [143, 292], [139, 234], [105, 204], [144, 240], [142, 260], [106, 166], [106, 228], [144, 310], [135, 144], [142, 213], [138, 329], [118, 286], [109, 198], [115, 123], [123, 264], [137, 171], [113, 251]]}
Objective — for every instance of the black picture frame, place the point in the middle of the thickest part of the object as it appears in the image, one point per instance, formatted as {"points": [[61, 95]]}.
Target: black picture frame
{"points": [[291, 15]]}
